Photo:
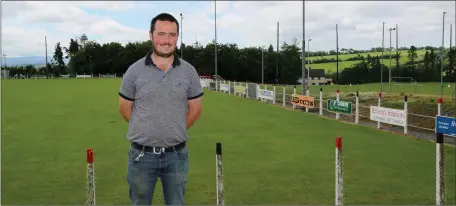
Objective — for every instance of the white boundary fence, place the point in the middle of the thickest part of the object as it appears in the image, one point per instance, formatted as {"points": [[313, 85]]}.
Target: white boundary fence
{"points": [[66, 76], [395, 119]]}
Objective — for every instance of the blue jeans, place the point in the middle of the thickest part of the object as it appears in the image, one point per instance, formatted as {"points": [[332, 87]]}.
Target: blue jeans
{"points": [[143, 172]]}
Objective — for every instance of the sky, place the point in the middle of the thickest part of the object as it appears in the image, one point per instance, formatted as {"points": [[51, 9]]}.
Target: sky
{"points": [[246, 23]]}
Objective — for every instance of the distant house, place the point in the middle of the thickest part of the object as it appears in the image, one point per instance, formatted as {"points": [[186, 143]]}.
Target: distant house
{"points": [[317, 77]]}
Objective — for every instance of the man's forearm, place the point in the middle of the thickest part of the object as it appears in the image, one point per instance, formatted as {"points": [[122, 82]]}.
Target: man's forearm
{"points": [[192, 116], [126, 114]]}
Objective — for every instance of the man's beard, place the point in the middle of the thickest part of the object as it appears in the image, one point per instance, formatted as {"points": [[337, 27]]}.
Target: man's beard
{"points": [[162, 54]]}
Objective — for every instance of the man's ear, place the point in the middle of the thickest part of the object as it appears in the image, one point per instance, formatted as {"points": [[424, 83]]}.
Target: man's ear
{"points": [[151, 36]]}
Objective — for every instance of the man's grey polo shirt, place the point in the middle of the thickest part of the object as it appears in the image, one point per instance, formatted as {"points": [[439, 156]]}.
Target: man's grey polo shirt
{"points": [[159, 113]]}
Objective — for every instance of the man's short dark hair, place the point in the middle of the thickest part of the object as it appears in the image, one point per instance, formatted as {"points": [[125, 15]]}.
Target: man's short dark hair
{"points": [[163, 17]]}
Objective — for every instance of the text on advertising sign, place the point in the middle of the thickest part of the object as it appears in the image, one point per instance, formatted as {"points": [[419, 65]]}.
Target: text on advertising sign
{"points": [[266, 94], [303, 101], [446, 125], [239, 89], [387, 115], [339, 106], [224, 87]]}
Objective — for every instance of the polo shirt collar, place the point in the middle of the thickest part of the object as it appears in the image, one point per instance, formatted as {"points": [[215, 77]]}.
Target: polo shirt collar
{"points": [[148, 61]]}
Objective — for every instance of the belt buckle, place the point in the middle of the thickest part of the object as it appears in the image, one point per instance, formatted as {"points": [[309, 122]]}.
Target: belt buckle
{"points": [[160, 150]]}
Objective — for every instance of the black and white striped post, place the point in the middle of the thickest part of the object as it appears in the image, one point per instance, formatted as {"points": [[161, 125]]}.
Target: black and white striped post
{"points": [[234, 88], [229, 87], [219, 168], [294, 92], [357, 108], [90, 178], [379, 104], [321, 101], [439, 106], [406, 115], [339, 175], [274, 95], [307, 94], [337, 98], [439, 176]]}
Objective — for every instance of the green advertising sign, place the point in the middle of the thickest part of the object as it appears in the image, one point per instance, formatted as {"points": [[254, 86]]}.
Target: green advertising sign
{"points": [[339, 106]]}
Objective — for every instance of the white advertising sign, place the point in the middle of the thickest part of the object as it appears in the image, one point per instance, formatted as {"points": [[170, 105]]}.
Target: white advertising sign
{"points": [[387, 115], [224, 87], [266, 94]]}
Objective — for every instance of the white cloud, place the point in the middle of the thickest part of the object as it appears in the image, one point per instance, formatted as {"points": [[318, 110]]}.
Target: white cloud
{"points": [[359, 23], [246, 23]]}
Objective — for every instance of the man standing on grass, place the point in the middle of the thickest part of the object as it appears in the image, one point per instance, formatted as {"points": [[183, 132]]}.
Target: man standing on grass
{"points": [[160, 98]]}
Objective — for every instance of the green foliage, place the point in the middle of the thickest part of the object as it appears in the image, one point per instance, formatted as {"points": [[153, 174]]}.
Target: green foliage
{"points": [[58, 65], [245, 64]]}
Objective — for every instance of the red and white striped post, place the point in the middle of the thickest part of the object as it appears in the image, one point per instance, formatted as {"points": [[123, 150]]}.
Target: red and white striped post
{"points": [[439, 106], [321, 101], [439, 175], [357, 109], [219, 175], [406, 115], [90, 178], [339, 174], [379, 104], [337, 98]]}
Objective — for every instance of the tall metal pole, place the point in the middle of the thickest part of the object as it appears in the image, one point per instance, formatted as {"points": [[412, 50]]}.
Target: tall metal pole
{"points": [[391, 49], [277, 56], [452, 70], [181, 34], [4, 57], [90, 62], [45, 46], [215, 28], [337, 55], [303, 71], [303, 63], [308, 62], [397, 51], [441, 57], [262, 65], [3, 70], [383, 48]]}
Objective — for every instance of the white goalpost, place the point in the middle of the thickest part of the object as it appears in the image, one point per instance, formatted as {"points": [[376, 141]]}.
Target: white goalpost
{"points": [[404, 81]]}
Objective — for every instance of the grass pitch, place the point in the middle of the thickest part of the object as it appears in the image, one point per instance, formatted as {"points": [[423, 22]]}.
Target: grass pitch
{"points": [[271, 155]]}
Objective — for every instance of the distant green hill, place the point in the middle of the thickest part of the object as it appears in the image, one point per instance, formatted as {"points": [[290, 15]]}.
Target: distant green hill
{"points": [[332, 66]]}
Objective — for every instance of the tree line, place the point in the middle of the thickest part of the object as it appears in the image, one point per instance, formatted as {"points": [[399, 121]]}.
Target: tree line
{"points": [[243, 64]]}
